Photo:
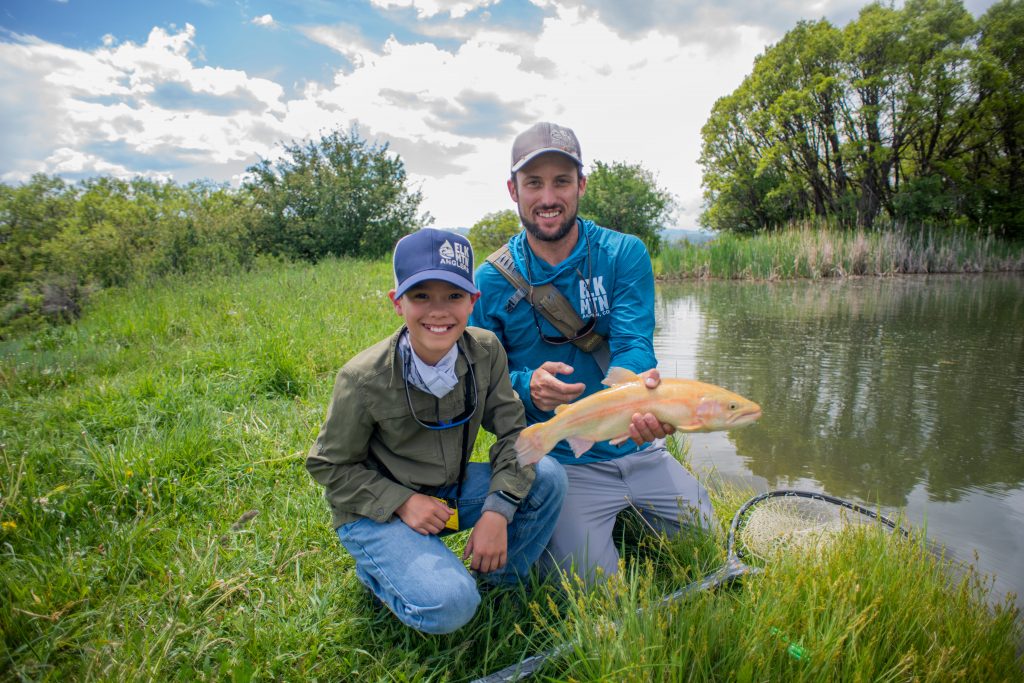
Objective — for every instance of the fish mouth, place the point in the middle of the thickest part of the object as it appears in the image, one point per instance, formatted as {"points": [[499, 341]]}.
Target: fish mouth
{"points": [[746, 416]]}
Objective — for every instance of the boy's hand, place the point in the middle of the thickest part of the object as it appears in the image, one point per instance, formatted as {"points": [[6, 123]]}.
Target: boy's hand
{"points": [[488, 543], [546, 392], [424, 514], [646, 427]]}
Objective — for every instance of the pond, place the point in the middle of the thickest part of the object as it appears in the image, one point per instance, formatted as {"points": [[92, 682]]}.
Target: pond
{"points": [[905, 393]]}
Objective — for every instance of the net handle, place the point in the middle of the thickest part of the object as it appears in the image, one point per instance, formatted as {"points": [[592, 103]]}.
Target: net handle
{"points": [[794, 493]]}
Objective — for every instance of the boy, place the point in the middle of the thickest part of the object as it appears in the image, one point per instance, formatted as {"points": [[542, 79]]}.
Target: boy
{"points": [[393, 453]]}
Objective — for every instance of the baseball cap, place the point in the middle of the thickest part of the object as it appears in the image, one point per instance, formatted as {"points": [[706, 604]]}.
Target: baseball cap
{"points": [[430, 254], [544, 137]]}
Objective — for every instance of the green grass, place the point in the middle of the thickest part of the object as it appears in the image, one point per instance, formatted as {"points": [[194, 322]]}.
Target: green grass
{"points": [[822, 252], [135, 444]]}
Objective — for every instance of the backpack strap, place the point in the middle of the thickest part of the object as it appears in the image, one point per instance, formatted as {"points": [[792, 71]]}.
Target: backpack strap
{"points": [[553, 305]]}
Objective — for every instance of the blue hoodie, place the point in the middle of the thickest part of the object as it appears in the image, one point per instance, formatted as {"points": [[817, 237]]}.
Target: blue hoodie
{"points": [[608, 275]]}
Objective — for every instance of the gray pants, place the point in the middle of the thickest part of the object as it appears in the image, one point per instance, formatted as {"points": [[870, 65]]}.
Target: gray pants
{"points": [[652, 481]]}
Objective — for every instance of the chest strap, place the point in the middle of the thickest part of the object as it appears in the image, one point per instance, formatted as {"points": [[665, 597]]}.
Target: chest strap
{"points": [[553, 305]]}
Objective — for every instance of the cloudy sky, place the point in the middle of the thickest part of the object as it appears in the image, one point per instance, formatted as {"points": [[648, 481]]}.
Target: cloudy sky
{"points": [[204, 88]]}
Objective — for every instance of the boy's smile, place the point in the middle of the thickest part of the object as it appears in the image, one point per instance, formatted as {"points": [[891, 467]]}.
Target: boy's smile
{"points": [[436, 313]]}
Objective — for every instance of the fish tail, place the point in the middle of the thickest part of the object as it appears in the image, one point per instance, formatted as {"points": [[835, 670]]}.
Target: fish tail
{"points": [[530, 446]]}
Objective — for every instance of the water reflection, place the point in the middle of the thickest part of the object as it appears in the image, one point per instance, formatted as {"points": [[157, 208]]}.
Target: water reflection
{"points": [[903, 392]]}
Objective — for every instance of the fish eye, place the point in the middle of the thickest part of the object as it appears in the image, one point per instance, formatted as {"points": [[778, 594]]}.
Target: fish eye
{"points": [[732, 406]]}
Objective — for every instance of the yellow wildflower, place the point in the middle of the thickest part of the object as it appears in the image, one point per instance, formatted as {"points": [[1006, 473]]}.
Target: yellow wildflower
{"points": [[9, 525]]}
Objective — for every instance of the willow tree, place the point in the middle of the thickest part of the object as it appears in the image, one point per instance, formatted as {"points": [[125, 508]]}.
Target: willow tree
{"points": [[892, 115]]}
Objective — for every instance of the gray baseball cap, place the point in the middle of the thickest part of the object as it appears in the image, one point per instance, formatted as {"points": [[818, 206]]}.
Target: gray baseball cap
{"points": [[544, 137]]}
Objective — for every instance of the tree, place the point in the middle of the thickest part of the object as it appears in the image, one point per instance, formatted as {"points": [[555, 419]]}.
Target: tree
{"points": [[31, 214], [339, 196], [998, 163], [626, 197], [492, 231], [901, 113]]}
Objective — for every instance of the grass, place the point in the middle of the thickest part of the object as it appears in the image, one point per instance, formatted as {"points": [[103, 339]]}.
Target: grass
{"points": [[821, 252], [157, 523]]}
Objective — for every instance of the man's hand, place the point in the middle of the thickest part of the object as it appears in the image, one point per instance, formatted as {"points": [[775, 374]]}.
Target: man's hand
{"points": [[646, 427], [424, 514], [547, 392], [488, 543]]}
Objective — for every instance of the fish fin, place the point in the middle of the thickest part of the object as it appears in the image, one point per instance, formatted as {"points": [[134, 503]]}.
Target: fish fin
{"points": [[579, 445], [560, 408], [619, 440], [529, 446], [617, 375], [692, 427]]}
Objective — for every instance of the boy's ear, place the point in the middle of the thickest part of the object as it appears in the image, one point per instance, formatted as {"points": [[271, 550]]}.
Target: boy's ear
{"points": [[473, 298], [396, 301]]}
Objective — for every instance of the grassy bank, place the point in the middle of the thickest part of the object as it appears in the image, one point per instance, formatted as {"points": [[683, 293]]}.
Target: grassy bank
{"points": [[156, 522], [817, 252]]}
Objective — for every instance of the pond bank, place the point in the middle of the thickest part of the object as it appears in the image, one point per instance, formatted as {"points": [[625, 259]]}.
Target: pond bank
{"points": [[804, 252]]}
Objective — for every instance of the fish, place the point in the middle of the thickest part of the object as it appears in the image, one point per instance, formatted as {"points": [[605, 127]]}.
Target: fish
{"points": [[688, 405]]}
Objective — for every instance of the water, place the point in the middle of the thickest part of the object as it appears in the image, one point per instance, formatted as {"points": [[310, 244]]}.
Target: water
{"points": [[906, 393]]}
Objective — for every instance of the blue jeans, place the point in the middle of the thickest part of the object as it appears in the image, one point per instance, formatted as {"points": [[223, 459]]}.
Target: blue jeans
{"points": [[422, 581]]}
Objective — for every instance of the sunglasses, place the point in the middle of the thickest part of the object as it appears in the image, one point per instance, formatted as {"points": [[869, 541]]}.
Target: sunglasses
{"points": [[470, 402], [582, 332]]}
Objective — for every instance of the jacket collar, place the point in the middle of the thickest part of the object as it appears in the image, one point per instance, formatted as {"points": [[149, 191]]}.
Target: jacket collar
{"points": [[393, 364]]}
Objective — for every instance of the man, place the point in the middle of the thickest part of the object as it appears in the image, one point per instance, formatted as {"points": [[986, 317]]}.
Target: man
{"points": [[607, 277]]}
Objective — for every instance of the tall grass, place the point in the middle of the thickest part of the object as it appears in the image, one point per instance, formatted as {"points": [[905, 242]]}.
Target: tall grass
{"points": [[819, 251], [157, 522]]}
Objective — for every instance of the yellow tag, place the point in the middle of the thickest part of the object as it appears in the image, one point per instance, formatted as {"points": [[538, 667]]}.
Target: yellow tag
{"points": [[453, 521]]}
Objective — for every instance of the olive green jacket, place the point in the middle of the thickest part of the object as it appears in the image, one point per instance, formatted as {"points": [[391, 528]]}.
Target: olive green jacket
{"points": [[371, 455]]}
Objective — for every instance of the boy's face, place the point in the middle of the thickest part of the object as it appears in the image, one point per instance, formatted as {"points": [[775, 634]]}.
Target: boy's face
{"points": [[436, 313]]}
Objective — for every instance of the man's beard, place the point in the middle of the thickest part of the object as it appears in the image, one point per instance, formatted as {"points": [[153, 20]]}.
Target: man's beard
{"points": [[534, 229]]}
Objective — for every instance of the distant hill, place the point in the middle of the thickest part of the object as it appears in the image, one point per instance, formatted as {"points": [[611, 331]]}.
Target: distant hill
{"points": [[671, 235]]}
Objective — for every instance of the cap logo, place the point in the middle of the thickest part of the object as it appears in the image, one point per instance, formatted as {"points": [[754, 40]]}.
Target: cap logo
{"points": [[561, 137], [457, 257]]}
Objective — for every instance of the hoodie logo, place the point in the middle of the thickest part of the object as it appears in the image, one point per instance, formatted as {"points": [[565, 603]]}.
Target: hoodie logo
{"points": [[593, 298], [457, 256]]}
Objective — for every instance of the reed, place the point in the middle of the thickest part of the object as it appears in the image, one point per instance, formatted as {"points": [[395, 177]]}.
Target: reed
{"points": [[820, 251], [157, 523]]}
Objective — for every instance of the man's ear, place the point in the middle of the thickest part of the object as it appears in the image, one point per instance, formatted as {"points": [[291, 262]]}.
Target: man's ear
{"points": [[583, 185], [512, 192], [396, 301]]}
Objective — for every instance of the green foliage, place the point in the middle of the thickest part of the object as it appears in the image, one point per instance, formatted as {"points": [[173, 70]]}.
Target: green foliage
{"points": [[338, 196], [492, 231], [58, 242], [626, 197], [912, 113]]}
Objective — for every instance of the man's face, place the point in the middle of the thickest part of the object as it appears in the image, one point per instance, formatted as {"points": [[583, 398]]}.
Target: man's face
{"points": [[547, 191]]}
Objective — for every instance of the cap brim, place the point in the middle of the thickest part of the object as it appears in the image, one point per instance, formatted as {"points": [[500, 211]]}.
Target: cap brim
{"points": [[536, 153], [444, 275]]}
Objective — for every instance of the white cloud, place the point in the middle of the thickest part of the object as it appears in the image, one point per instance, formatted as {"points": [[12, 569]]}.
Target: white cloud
{"points": [[129, 108], [265, 20], [636, 99], [450, 109], [430, 8]]}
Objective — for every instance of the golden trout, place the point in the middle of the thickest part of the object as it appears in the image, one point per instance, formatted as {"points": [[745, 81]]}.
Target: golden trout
{"points": [[687, 404]]}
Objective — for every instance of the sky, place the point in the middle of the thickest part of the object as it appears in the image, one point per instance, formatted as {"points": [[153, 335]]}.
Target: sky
{"points": [[203, 89]]}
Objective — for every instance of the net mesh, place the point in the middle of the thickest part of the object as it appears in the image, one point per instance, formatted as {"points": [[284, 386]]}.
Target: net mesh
{"points": [[794, 523]]}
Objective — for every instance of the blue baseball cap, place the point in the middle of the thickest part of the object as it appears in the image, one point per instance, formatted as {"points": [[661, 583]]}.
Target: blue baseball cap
{"points": [[430, 254]]}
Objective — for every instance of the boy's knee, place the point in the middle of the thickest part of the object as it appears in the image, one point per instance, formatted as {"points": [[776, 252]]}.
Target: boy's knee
{"points": [[550, 481], [455, 605]]}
